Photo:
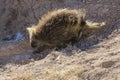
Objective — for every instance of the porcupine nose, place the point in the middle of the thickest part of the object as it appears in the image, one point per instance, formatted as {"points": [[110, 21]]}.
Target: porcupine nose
{"points": [[33, 44]]}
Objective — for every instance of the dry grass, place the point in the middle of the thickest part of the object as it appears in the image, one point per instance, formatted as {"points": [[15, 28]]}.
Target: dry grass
{"points": [[66, 72], [72, 72], [24, 76]]}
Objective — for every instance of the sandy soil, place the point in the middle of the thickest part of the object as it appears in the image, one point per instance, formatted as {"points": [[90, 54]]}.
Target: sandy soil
{"points": [[94, 58]]}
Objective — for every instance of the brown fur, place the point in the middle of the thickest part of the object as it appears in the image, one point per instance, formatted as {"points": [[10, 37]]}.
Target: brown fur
{"points": [[59, 27]]}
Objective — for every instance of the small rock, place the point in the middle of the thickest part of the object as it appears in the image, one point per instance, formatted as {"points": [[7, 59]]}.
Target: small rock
{"points": [[107, 64]]}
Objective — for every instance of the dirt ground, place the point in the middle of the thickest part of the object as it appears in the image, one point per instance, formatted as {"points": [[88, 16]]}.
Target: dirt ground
{"points": [[94, 58]]}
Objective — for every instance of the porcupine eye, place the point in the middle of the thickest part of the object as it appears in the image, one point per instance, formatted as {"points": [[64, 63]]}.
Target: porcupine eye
{"points": [[73, 20], [71, 17]]}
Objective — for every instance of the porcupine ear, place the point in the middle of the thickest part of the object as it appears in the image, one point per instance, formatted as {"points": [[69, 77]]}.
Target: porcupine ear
{"points": [[31, 30]]}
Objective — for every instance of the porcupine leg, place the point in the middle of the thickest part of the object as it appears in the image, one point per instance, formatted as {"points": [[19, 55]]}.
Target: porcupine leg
{"points": [[37, 51], [61, 46]]}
